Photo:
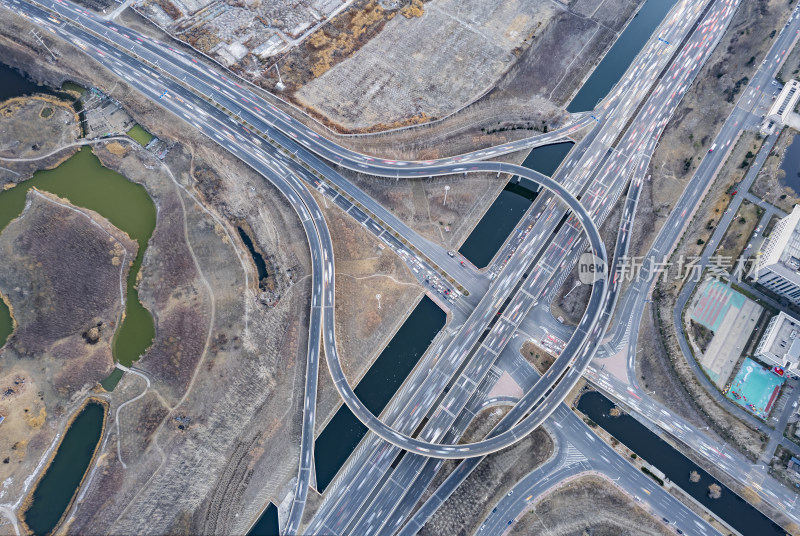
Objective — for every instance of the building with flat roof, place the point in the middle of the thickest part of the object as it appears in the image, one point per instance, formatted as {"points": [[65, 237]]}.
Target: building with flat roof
{"points": [[778, 266], [780, 345], [785, 102]]}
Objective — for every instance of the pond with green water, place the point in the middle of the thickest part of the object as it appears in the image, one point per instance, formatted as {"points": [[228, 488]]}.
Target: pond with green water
{"points": [[86, 183], [55, 490]]}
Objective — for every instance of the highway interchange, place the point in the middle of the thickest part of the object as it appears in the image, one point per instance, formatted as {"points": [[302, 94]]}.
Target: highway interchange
{"points": [[598, 170]]}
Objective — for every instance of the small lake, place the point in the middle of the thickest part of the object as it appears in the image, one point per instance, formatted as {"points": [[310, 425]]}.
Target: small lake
{"points": [[620, 56], [791, 165], [15, 84], [267, 524], [343, 433], [258, 259], [86, 183], [504, 214], [55, 490], [730, 507]]}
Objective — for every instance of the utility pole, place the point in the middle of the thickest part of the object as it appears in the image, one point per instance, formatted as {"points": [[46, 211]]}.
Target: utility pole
{"points": [[36, 35], [446, 189]]}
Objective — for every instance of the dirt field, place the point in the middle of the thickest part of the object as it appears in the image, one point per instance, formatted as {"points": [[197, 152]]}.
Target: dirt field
{"points": [[537, 356], [63, 275], [415, 68], [419, 202], [45, 122], [510, 51], [588, 505], [25, 133]]}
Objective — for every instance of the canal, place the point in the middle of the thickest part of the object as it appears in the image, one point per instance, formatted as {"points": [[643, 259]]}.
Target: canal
{"points": [[790, 165], [55, 490], [341, 435], [734, 510], [267, 524], [504, 214], [620, 56]]}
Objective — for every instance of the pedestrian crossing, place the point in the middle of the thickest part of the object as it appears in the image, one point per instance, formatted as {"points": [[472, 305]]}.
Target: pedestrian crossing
{"points": [[573, 456]]}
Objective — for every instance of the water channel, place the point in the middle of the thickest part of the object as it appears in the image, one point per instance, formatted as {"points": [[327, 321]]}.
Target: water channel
{"points": [[504, 214], [620, 56], [341, 435], [267, 524], [55, 490], [791, 165], [731, 508]]}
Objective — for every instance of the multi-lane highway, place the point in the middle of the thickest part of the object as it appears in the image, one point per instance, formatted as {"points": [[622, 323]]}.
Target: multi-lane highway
{"points": [[244, 145], [716, 20], [613, 154], [580, 451], [320, 146]]}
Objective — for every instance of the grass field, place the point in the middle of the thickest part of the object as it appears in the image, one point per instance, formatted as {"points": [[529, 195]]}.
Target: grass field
{"points": [[140, 135]]}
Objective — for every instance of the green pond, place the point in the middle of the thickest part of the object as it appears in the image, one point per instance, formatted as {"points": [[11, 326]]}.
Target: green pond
{"points": [[140, 135], [55, 490], [86, 183]]}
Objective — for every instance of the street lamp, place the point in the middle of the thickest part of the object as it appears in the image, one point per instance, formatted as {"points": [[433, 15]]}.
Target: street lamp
{"points": [[446, 189]]}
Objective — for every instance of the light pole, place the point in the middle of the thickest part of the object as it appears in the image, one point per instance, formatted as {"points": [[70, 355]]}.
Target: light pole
{"points": [[576, 285], [446, 189]]}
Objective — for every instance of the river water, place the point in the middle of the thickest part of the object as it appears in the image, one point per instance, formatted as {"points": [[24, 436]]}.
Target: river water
{"points": [[791, 165], [267, 524], [730, 507], [504, 214], [341, 435], [55, 490], [620, 56]]}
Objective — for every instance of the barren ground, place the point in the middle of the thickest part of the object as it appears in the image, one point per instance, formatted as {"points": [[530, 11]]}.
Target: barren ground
{"points": [[588, 505], [403, 75], [25, 133], [537, 356], [362, 330], [34, 126], [736, 237]]}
